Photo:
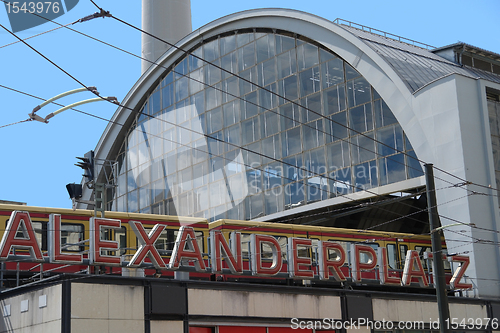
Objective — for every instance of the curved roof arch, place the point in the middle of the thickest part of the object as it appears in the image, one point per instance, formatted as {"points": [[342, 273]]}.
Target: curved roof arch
{"points": [[352, 49], [373, 67]]}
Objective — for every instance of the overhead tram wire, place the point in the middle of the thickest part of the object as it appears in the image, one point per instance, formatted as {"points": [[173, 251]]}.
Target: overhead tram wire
{"points": [[466, 182], [273, 93], [144, 132], [240, 98], [42, 33], [191, 130], [263, 155], [104, 14], [107, 14], [203, 151], [17, 122], [254, 168], [207, 136]]}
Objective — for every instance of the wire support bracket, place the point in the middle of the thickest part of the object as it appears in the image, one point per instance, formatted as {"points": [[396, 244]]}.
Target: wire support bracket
{"points": [[103, 13]]}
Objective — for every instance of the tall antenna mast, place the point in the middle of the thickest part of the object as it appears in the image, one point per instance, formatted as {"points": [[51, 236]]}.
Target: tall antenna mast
{"points": [[169, 20]]}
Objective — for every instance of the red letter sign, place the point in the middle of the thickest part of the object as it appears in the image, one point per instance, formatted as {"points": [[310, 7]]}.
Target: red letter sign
{"points": [[327, 265], [220, 248], [97, 244], [357, 265], [192, 253], [459, 273], [383, 268], [412, 261], [20, 221], [55, 254], [299, 266], [147, 247], [256, 243]]}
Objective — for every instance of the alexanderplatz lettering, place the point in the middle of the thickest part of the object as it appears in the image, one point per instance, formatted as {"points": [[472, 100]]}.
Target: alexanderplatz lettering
{"points": [[186, 249]]}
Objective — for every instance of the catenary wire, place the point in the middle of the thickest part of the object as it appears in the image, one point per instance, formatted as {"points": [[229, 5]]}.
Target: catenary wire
{"points": [[260, 87], [148, 115], [203, 82], [17, 122], [329, 212], [263, 155], [202, 134], [249, 102], [77, 81], [42, 33], [272, 92], [203, 151]]}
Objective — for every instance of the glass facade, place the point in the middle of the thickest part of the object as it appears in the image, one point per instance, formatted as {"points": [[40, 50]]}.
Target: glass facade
{"points": [[215, 145]]}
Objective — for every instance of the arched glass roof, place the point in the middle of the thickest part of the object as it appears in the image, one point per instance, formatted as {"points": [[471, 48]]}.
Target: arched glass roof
{"points": [[216, 145]]}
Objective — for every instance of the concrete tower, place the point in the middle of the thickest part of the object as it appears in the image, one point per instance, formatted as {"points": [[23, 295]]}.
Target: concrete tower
{"points": [[168, 19]]}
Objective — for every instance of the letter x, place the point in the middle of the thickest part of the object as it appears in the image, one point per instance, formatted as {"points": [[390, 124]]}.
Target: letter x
{"points": [[147, 247]]}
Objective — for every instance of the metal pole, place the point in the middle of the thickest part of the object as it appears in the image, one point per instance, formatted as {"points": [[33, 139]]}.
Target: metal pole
{"points": [[440, 281]]}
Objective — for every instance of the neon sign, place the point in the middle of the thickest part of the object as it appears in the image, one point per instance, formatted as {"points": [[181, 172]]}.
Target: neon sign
{"points": [[330, 259]]}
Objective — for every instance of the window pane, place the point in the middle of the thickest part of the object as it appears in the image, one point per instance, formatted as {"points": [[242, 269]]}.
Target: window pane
{"points": [[350, 73], [334, 99], [290, 116], [211, 50], [309, 81], [307, 55], [383, 115], [294, 195], [414, 167], [358, 92], [272, 175], [227, 44], [288, 88], [287, 64], [337, 128], [246, 56], [265, 48], [270, 123], [338, 155], [267, 72], [291, 141], [392, 169], [360, 119], [365, 175], [340, 182], [168, 95], [332, 73], [313, 105], [232, 113], [271, 147], [313, 134], [70, 234]]}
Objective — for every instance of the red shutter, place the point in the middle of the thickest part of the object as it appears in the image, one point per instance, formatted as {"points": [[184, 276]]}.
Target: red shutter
{"points": [[241, 329], [287, 330], [201, 330]]}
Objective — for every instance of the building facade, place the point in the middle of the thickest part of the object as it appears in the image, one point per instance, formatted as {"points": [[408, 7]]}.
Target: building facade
{"points": [[113, 304], [276, 114]]}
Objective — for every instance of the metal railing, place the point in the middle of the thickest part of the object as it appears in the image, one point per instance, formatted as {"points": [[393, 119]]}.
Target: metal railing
{"points": [[383, 34]]}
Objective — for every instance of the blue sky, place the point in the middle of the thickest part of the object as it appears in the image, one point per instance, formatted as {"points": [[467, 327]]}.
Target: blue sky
{"points": [[37, 159]]}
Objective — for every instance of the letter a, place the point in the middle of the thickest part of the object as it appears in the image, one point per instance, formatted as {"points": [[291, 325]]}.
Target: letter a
{"points": [[20, 221]]}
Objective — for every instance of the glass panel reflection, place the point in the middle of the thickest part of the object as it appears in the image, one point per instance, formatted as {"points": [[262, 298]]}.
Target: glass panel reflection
{"points": [[290, 124]]}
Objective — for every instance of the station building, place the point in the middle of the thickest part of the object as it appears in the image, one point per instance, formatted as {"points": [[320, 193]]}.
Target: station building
{"points": [[114, 304], [280, 115]]}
